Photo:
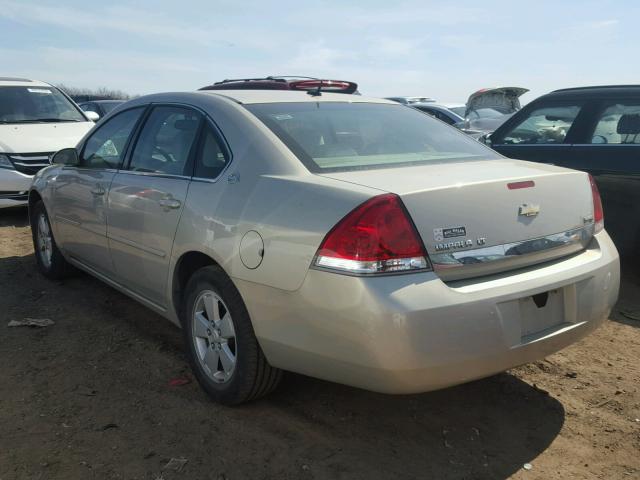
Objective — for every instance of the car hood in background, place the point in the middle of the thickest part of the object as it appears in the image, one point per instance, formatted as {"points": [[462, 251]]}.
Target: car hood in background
{"points": [[506, 98], [41, 137]]}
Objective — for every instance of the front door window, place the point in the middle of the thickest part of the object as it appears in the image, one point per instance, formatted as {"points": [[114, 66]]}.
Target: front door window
{"points": [[105, 148], [544, 125]]}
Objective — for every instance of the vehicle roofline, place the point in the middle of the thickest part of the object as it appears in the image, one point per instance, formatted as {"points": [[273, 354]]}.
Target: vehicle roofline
{"points": [[248, 97], [23, 82], [594, 87]]}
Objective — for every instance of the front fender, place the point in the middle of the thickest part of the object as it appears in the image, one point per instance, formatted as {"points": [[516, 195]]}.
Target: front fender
{"points": [[43, 187]]}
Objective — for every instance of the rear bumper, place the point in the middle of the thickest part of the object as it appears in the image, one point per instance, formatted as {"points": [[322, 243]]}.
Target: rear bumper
{"points": [[14, 188], [414, 333]]}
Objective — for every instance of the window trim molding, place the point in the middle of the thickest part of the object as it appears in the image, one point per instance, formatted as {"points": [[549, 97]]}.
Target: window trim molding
{"points": [[135, 133]]}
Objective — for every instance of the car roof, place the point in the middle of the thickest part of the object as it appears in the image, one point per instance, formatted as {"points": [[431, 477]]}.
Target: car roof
{"points": [[21, 82], [104, 101], [600, 91], [411, 99], [283, 82], [284, 96]]}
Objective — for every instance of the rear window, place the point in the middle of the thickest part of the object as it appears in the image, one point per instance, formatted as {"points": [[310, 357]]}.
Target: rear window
{"points": [[341, 136]]}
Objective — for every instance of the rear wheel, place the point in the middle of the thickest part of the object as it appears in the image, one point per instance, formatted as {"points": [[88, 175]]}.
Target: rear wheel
{"points": [[223, 350], [51, 262]]}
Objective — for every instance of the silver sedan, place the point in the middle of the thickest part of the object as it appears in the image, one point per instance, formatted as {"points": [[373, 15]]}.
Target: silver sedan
{"points": [[351, 239]]}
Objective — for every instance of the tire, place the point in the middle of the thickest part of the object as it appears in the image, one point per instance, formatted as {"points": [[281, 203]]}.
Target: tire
{"points": [[51, 262], [217, 329]]}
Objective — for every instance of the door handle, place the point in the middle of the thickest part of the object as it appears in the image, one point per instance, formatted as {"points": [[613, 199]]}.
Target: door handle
{"points": [[168, 203], [98, 190]]}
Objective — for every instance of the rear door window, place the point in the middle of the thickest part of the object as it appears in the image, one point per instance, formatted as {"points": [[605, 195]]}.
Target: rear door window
{"points": [[543, 125], [166, 141], [618, 123]]}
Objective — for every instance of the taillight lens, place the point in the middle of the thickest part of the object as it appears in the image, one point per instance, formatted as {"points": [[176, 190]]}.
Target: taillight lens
{"points": [[376, 237], [598, 212]]}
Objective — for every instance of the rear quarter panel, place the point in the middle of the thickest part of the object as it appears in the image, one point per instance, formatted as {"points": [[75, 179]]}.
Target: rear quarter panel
{"points": [[291, 214], [265, 189]]}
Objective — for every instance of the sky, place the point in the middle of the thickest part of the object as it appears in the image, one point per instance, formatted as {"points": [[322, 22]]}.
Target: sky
{"points": [[445, 50]]}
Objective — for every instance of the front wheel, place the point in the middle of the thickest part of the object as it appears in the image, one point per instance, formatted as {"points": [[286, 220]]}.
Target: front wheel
{"points": [[223, 350], [51, 262]]}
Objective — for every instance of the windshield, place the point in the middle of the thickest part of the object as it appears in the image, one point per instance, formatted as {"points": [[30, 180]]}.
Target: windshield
{"points": [[328, 136], [35, 105]]}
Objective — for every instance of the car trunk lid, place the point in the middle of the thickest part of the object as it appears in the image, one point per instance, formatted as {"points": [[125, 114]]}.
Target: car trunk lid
{"points": [[504, 99], [473, 216]]}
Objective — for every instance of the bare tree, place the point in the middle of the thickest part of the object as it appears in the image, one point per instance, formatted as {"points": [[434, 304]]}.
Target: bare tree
{"points": [[86, 94]]}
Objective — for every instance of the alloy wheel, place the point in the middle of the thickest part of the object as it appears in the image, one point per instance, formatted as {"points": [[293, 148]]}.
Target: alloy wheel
{"points": [[214, 337], [44, 241]]}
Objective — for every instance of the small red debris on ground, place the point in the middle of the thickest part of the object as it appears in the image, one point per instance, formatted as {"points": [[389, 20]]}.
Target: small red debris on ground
{"points": [[179, 382]]}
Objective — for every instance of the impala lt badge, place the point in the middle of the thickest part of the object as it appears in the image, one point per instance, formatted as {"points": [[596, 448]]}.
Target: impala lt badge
{"points": [[527, 210]]}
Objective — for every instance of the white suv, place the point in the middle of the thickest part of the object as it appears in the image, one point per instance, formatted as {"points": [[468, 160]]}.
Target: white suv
{"points": [[36, 120]]}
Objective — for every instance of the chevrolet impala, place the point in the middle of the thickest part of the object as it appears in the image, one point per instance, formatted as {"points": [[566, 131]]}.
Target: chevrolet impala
{"points": [[353, 239]]}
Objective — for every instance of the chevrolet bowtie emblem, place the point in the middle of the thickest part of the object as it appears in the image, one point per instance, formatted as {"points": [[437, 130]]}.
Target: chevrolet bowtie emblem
{"points": [[527, 210]]}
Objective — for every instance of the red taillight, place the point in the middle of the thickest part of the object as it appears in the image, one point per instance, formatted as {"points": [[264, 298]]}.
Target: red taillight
{"points": [[598, 212], [376, 237]]}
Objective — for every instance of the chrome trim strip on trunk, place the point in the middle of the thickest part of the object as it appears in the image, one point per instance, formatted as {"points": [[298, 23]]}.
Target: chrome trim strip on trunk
{"points": [[457, 265]]}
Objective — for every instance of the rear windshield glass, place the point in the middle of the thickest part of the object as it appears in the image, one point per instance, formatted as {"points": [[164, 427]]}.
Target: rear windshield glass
{"points": [[340, 136], [37, 104]]}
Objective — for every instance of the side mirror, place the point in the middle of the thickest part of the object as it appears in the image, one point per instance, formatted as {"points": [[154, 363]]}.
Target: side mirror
{"points": [[66, 156], [93, 116], [486, 139]]}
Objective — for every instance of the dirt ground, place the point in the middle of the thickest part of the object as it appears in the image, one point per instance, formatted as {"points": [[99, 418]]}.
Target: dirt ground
{"points": [[90, 398]]}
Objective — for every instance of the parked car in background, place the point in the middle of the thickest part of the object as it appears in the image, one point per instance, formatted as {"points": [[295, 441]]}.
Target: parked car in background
{"points": [[447, 116], [409, 100], [595, 129], [101, 107], [440, 112], [489, 108], [457, 108], [36, 119], [286, 83], [343, 237]]}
